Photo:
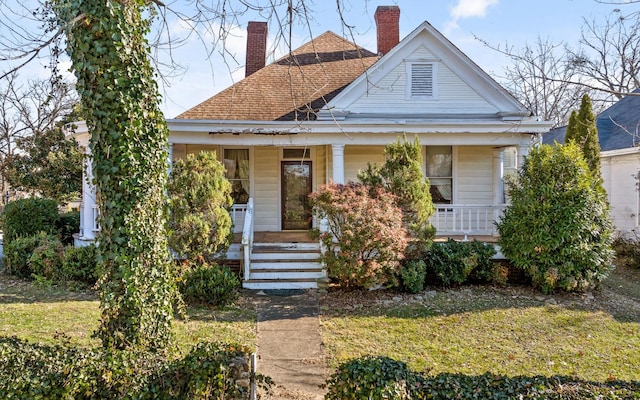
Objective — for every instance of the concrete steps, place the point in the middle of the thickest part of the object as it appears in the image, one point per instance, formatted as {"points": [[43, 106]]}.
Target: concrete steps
{"points": [[284, 266]]}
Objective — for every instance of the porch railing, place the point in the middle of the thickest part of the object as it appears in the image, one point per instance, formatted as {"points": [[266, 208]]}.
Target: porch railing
{"points": [[466, 219], [247, 238], [238, 211]]}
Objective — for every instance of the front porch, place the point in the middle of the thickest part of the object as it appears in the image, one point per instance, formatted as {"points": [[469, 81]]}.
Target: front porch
{"points": [[291, 259]]}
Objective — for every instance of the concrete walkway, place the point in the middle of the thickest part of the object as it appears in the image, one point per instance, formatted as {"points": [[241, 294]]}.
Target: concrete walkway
{"points": [[290, 348]]}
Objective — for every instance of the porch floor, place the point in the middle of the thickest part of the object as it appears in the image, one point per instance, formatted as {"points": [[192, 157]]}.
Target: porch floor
{"points": [[304, 237]]}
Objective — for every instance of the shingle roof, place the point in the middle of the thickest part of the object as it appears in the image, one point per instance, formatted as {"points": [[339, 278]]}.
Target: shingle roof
{"points": [[291, 88], [618, 125]]}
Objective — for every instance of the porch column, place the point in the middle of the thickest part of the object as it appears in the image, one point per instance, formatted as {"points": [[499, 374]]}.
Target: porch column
{"points": [[523, 151], [498, 176], [337, 151], [88, 199], [170, 157]]}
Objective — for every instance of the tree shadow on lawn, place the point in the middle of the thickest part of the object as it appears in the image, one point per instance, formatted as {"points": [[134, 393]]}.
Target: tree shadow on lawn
{"points": [[17, 291], [623, 305]]}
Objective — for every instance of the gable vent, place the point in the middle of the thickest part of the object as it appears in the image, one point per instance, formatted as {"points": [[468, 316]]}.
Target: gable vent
{"points": [[422, 80]]}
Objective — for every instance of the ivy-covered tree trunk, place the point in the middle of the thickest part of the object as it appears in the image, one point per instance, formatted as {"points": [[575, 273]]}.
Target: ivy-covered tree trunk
{"points": [[110, 55]]}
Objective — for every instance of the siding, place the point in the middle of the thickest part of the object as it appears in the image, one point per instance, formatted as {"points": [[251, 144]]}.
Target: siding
{"points": [[266, 191], [357, 157], [474, 175], [453, 94], [619, 181]]}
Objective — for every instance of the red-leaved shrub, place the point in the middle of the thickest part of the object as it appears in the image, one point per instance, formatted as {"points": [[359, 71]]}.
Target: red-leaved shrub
{"points": [[365, 238]]}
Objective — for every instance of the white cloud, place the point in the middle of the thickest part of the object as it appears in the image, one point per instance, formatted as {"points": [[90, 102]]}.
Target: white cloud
{"points": [[468, 9]]}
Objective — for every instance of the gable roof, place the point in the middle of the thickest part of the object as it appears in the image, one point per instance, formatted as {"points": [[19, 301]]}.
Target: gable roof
{"points": [[428, 44], [291, 88], [618, 125]]}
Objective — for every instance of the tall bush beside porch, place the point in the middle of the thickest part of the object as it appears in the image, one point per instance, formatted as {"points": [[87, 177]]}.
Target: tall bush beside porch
{"points": [[366, 239], [557, 227]]}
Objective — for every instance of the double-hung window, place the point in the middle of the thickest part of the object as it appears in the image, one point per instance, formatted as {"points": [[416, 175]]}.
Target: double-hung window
{"points": [[439, 162], [236, 163]]}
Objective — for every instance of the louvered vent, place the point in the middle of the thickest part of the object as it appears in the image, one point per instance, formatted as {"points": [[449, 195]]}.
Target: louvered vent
{"points": [[421, 80]]}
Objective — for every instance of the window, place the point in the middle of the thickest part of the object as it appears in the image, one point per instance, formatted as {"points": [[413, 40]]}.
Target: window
{"points": [[421, 80], [236, 163], [440, 173]]}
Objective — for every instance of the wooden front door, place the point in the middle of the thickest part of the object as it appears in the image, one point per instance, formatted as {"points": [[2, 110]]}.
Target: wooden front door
{"points": [[296, 186]]}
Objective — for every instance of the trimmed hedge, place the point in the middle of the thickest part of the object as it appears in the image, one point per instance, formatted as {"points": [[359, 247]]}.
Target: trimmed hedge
{"points": [[28, 217], [454, 263], [370, 378], [210, 284], [209, 371]]}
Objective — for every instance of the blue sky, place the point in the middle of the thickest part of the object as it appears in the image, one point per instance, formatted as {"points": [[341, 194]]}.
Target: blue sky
{"points": [[500, 22]]}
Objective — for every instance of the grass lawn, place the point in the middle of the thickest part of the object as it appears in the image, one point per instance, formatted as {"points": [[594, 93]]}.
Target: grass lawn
{"points": [[509, 331], [45, 314], [471, 330]]}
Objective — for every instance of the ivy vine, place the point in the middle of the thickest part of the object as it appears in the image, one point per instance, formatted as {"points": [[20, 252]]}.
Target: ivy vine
{"points": [[129, 136]]}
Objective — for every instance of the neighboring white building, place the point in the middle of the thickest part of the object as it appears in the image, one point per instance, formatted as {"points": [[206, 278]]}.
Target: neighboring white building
{"points": [[619, 136], [322, 113]]}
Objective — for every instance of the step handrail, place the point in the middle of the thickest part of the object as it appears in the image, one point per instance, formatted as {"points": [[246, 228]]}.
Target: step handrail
{"points": [[247, 238]]}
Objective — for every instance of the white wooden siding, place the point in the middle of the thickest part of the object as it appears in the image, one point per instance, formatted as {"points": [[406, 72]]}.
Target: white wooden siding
{"points": [[357, 157], [320, 167], [474, 175], [619, 181], [453, 94], [266, 192]]}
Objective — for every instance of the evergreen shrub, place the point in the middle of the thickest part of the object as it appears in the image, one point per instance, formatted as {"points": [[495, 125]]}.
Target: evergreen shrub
{"points": [[209, 284], [557, 228], [454, 263], [28, 217], [208, 371], [67, 225], [413, 275], [80, 264]]}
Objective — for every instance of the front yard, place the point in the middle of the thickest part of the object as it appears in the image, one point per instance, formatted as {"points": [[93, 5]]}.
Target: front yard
{"points": [[471, 330]]}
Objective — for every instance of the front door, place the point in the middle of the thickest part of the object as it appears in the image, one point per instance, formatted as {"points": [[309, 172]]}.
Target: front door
{"points": [[296, 186]]}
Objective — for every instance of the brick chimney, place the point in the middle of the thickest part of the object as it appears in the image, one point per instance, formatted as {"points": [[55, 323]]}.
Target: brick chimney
{"points": [[256, 47], [388, 27]]}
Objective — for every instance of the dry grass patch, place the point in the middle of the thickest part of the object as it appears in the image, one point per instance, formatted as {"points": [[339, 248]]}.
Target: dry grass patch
{"points": [[472, 330]]}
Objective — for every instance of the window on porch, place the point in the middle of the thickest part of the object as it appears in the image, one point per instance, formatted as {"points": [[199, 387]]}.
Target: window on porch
{"points": [[236, 163], [439, 162]]}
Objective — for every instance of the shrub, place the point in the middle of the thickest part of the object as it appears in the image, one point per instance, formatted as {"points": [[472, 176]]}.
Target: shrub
{"points": [[28, 217], [402, 175], [365, 241], [413, 275], [68, 223], [200, 198], [17, 253], [627, 251], [46, 259], [557, 228], [372, 378], [209, 371], [210, 284], [80, 264], [454, 262]]}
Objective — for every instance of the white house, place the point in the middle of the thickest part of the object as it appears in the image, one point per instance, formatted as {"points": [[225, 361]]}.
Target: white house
{"points": [[619, 137], [322, 112]]}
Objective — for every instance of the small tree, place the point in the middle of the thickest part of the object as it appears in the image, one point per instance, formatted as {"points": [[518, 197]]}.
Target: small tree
{"points": [[366, 239], [582, 129], [49, 165], [557, 228], [200, 198], [402, 175]]}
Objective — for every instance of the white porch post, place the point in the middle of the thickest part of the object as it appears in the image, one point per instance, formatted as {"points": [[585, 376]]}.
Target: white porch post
{"points": [[523, 151], [170, 157], [498, 176], [88, 199], [337, 151]]}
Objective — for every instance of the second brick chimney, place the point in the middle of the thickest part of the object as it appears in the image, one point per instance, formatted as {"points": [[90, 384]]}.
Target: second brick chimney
{"points": [[256, 47], [388, 27]]}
